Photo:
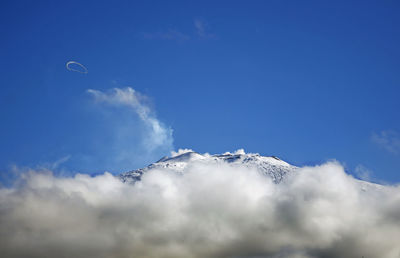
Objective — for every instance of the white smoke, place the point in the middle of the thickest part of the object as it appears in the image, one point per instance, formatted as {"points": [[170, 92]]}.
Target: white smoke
{"points": [[180, 152], [210, 211], [159, 134]]}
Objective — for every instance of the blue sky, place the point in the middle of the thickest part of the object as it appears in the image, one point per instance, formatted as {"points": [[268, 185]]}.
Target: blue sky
{"points": [[307, 81]]}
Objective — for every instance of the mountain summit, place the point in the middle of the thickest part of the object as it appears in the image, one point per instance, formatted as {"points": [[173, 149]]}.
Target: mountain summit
{"points": [[268, 165]]}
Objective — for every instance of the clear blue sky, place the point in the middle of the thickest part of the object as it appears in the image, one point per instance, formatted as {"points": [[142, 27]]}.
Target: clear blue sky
{"points": [[307, 81]]}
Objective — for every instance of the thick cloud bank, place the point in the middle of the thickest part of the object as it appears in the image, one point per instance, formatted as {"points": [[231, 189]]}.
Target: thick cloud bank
{"points": [[209, 211]]}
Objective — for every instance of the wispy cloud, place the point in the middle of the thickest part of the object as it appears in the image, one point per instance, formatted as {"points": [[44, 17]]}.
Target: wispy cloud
{"points": [[202, 29], [170, 34], [388, 140], [159, 134], [363, 172]]}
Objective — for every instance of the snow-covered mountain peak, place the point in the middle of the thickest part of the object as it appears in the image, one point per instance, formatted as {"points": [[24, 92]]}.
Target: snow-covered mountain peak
{"points": [[178, 162], [189, 156]]}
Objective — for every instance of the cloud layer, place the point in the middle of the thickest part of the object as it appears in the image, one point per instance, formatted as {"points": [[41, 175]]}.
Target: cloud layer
{"points": [[209, 211]]}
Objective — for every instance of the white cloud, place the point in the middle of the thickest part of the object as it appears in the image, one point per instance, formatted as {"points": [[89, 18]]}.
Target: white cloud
{"points": [[170, 34], [363, 172], [239, 151], [388, 139], [159, 134], [56, 164], [209, 211], [180, 152], [201, 29]]}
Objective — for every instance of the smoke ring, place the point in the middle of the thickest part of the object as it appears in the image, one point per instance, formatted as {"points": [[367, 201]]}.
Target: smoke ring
{"points": [[84, 71]]}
